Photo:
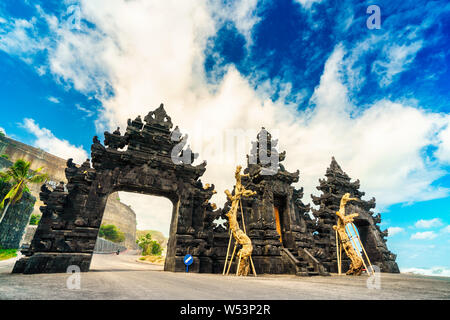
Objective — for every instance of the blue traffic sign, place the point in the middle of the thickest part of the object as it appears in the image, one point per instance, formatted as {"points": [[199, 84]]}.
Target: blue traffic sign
{"points": [[188, 260]]}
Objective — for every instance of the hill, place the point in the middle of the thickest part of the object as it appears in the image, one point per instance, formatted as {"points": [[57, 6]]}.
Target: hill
{"points": [[156, 235]]}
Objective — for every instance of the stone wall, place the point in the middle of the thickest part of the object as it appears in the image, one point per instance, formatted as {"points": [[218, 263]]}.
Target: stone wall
{"points": [[123, 217], [16, 219]]}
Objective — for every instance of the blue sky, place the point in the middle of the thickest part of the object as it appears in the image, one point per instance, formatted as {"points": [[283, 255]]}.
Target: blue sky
{"points": [[376, 99]]}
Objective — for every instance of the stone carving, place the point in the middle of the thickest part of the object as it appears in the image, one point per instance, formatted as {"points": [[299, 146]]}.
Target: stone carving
{"points": [[336, 184], [159, 117], [275, 192], [356, 264], [241, 238]]}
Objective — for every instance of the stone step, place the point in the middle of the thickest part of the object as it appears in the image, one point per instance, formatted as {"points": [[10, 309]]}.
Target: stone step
{"points": [[300, 262]]}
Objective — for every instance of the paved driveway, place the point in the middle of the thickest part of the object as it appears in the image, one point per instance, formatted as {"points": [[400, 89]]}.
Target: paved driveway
{"points": [[122, 277]]}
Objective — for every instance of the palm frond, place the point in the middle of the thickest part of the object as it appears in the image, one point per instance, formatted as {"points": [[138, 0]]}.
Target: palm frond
{"points": [[38, 178], [26, 189], [21, 167], [10, 195], [38, 170], [18, 195], [5, 176], [21, 175]]}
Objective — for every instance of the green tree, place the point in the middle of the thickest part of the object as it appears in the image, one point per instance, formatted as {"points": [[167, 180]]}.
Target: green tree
{"points": [[156, 248], [111, 232], [20, 176], [34, 220], [149, 246]]}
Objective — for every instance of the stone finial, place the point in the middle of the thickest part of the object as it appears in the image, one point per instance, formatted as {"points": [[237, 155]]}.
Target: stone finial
{"points": [[334, 166], [159, 117]]}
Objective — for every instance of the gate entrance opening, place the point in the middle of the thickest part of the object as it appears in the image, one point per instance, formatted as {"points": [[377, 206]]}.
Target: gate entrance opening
{"points": [[277, 222], [279, 205], [127, 221]]}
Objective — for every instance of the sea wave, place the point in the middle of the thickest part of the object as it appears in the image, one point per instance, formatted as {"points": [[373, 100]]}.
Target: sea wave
{"points": [[434, 271]]}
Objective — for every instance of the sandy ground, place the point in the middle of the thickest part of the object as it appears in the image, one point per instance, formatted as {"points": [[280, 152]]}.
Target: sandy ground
{"points": [[122, 277]]}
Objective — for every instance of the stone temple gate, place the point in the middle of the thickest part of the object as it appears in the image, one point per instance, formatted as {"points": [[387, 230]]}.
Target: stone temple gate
{"points": [[285, 238], [72, 216]]}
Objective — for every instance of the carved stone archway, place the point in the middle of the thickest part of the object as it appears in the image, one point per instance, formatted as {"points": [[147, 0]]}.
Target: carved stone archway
{"points": [[138, 161]]}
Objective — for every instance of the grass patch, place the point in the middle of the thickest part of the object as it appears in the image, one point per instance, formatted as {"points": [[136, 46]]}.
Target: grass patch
{"points": [[6, 254], [153, 259]]}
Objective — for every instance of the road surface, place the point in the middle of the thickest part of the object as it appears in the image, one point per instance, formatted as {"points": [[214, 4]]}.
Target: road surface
{"points": [[122, 277]]}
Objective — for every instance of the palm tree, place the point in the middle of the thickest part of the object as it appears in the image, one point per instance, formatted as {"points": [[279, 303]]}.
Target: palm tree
{"points": [[21, 176]]}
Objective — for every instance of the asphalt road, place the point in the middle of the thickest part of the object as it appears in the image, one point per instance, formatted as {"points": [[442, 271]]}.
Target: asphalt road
{"points": [[122, 277]]}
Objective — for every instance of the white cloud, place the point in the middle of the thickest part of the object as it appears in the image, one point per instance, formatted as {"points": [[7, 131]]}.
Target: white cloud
{"points": [[307, 3], [426, 224], [370, 144], [446, 229], [153, 51], [41, 70], [48, 142], [435, 271], [2, 131], [18, 36], [426, 235], [392, 231], [242, 13], [396, 60], [395, 48], [443, 152], [88, 112], [53, 99]]}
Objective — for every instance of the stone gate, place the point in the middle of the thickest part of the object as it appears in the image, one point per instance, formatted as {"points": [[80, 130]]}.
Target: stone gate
{"points": [[138, 161]]}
